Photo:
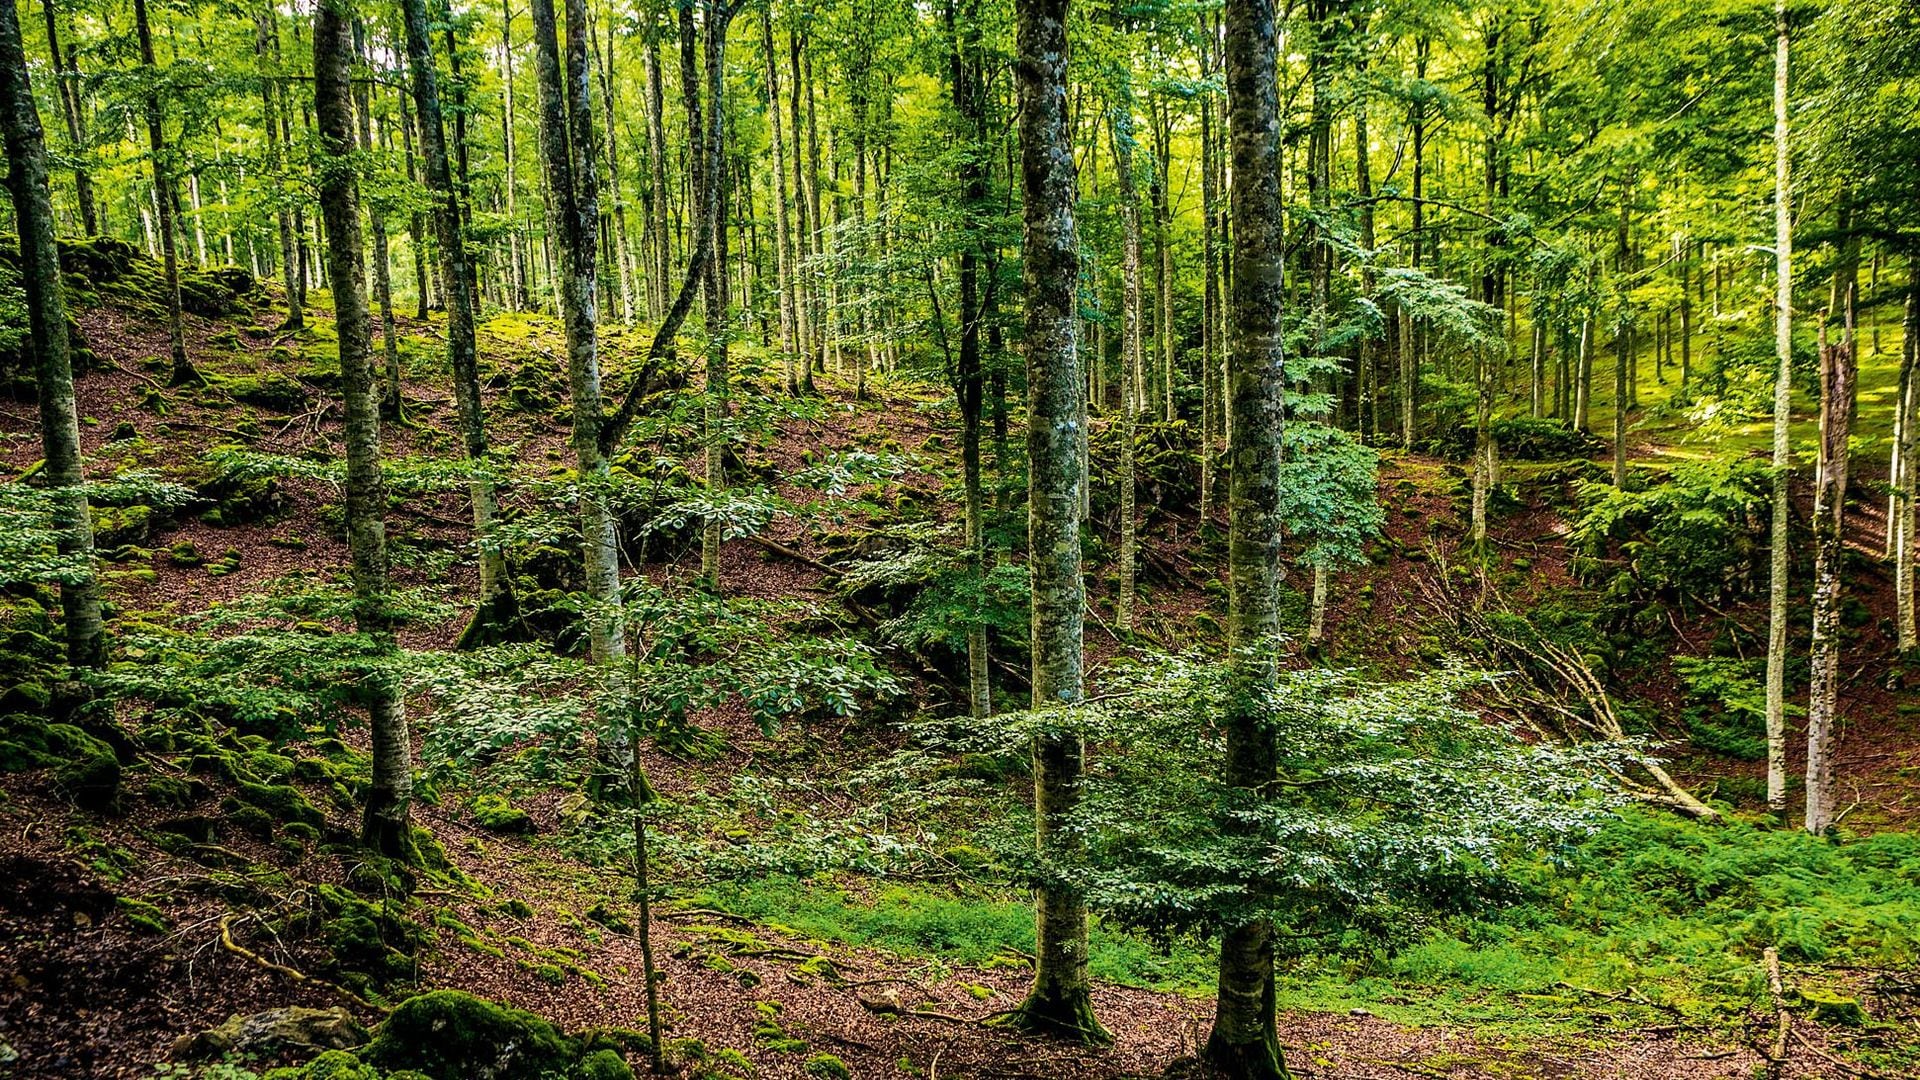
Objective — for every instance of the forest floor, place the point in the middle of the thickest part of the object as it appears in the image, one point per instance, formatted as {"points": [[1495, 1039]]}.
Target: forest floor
{"points": [[891, 978]]}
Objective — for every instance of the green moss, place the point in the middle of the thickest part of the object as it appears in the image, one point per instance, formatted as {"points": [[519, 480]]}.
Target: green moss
{"points": [[143, 915], [604, 1065], [169, 791], [1833, 1008], [496, 815], [284, 801], [828, 1067], [450, 1035], [90, 773], [266, 389]]}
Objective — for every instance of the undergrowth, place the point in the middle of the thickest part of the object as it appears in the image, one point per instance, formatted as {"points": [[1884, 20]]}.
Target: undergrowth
{"points": [[1653, 915]]}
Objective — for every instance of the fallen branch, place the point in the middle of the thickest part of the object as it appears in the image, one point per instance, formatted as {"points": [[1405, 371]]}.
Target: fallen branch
{"points": [[1783, 1021], [234, 947]]}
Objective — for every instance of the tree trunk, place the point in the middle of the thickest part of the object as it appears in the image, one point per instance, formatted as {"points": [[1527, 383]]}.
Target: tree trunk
{"points": [[67, 73], [28, 179], [1244, 1043], [1133, 389], [1060, 1001], [1839, 369], [497, 617], [806, 243], [965, 78], [1623, 359], [1782, 414], [392, 406], [159, 154], [783, 260], [386, 827], [566, 143], [1901, 520]]}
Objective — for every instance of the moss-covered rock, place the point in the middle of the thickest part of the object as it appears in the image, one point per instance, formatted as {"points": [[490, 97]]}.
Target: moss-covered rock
{"points": [[828, 1067], [496, 815], [266, 389], [451, 1035], [278, 1031]]}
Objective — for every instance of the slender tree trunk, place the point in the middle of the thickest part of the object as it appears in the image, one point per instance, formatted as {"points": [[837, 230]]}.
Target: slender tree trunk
{"points": [[806, 241], [1061, 1000], [67, 76], [1901, 520], [1210, 350], [1839, 369], [1133, 385], [392, 405], [497, 615], [1485, 449], [416, 222], [1244, 1043], [1782, 410], [783, 259], [1623, 359], [386, 827], [965, 78], [1163, 254], [30, 184], [167, 202]]}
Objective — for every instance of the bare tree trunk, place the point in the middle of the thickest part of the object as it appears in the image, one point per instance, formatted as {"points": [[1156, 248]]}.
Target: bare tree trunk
{"points": [[783, 260], [1061, 1000], [1133, 389], [160, 154], [1839, 370], [806, 239], [1782, 414], [392, 406], [67, 74], [497, 615], [1901, 517], [965, 78], [1244, 1043], [28, 179], [386, 827]]}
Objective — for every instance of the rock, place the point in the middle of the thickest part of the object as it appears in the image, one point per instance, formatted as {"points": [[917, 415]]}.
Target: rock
{"points": [[450, 1035], [1832, 1008], [275, 1030]]}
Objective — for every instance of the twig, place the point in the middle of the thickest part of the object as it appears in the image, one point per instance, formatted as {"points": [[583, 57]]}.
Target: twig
{"points": [[1783, 1021]]}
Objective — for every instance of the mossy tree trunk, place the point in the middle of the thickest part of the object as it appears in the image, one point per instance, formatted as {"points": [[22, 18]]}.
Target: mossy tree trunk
{"points": [[1244, 1043], [1060, 1001], [497, 615], [27, 178], [166, 201], [386, 827], [1839, 371], [566, 143]]}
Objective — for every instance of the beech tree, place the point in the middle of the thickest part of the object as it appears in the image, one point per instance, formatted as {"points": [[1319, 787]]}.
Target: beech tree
{"points": [[1061, 1000], [387, 825], [51, 346]]}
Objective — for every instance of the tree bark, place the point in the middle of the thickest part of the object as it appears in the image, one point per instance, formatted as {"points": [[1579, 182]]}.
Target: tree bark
{"points": [[1839, 370], [783, 259], [29, 183], [965, 78], [1244, 1043], [1782, 414], [386, 826], [392, 406], [1060, 1000]]}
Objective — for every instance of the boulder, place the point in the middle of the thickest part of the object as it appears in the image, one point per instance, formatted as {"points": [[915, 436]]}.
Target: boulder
{"points": [[275, 1031]]}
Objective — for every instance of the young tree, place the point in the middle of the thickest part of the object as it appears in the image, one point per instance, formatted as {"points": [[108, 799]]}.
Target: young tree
{"points": [[27, 177], [387, 827], [1244, 1043], [1060, 1001]]}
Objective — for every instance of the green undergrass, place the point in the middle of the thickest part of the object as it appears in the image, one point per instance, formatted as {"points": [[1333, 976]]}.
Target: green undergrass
{"points": [[1652, 919]]}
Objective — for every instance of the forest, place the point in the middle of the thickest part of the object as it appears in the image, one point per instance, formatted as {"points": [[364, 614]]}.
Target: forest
{"points": [[829, 539]]}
